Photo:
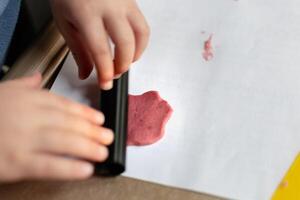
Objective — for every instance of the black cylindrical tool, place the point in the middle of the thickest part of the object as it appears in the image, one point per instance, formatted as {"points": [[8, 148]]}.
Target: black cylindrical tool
{"points": [[114, 105]]}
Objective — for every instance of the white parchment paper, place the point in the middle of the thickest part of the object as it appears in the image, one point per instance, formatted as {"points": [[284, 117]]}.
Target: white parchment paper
{"points": [[235, 129]]}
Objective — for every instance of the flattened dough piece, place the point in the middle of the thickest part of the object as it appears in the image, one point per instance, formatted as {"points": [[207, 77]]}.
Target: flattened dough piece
{"points": [[147, 116]]}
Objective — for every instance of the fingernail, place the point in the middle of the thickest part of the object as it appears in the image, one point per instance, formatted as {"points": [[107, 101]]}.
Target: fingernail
{"points": [[103, 153], [87, 169], [107, 86], [99, 117], [117, 76], [108, 136]]}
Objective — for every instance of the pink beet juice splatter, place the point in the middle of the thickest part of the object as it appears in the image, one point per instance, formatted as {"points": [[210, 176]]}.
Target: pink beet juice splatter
{"points": [[208, 49]]}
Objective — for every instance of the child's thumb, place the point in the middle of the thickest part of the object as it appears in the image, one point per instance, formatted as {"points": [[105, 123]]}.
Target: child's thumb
{"points": [[32, 81]]}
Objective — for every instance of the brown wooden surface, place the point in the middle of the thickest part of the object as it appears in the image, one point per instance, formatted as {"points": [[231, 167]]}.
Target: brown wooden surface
{"points": [[45, 56], [119, 188]]}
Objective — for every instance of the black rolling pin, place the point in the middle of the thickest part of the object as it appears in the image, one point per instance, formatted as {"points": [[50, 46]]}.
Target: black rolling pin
{"points": [[114, 105]]}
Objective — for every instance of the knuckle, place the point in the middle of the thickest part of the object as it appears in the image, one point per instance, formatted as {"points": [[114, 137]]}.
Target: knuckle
{"points": [[81, 145], [82, 125], [72, 146], [126, 43], [93, 148], [86, 147], [123, 66], [56, 117], [87, 129], [57, 100], [63, 101], [101, 51], [70, 106], [144, 31], [114, 14], [62, 117]]}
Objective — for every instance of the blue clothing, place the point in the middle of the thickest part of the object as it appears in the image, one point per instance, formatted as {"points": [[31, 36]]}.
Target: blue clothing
{"points": [[9, 12], [3, 4]]}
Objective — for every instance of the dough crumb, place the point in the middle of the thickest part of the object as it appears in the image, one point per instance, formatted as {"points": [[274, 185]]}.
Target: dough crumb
{"points": [[208, 49]]}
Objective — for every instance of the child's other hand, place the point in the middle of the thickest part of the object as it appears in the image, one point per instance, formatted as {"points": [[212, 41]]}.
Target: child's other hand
{"points": [[44, 136], [87, 24]]}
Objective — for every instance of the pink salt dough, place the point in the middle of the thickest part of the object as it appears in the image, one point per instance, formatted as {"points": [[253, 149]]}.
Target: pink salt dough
{"points": [[208, 49], [147, 116]]}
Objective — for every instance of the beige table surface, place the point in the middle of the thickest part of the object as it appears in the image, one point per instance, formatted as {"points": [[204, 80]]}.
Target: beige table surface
{"points": [[119, 188]]}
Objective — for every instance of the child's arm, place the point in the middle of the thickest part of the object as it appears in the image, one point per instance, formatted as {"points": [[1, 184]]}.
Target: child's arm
{"points": [[44, 136], [87, 25]]}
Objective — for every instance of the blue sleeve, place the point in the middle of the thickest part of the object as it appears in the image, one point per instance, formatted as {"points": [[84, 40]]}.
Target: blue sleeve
{"points": [[3, 4], [9, 12]]}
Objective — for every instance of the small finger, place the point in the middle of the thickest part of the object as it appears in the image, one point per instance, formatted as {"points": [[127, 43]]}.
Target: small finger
{"points": [[73, 145], [47, 166], [66, 105], [78, 48], [122, 35], [76, 125], [95, 36], [141, 32]]}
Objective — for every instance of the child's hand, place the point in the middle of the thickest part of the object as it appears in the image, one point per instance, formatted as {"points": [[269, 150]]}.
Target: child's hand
{"points": [[44, 136], [87, 25]]}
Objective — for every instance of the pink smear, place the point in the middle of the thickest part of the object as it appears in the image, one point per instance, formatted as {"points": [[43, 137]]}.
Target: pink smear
{"points": [[147, 116], [208, 49]]}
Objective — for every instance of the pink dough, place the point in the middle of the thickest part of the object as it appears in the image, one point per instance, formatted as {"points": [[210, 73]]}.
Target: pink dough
{"points": [[147, 116], [208, 49]]}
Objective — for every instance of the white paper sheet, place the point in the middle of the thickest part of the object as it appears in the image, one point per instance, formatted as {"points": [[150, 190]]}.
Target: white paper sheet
{"points": [[236, 124]]}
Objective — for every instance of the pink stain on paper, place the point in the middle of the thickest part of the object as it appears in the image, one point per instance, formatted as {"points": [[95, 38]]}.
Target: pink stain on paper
{"points": [[208, 49], [147, 116]]}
